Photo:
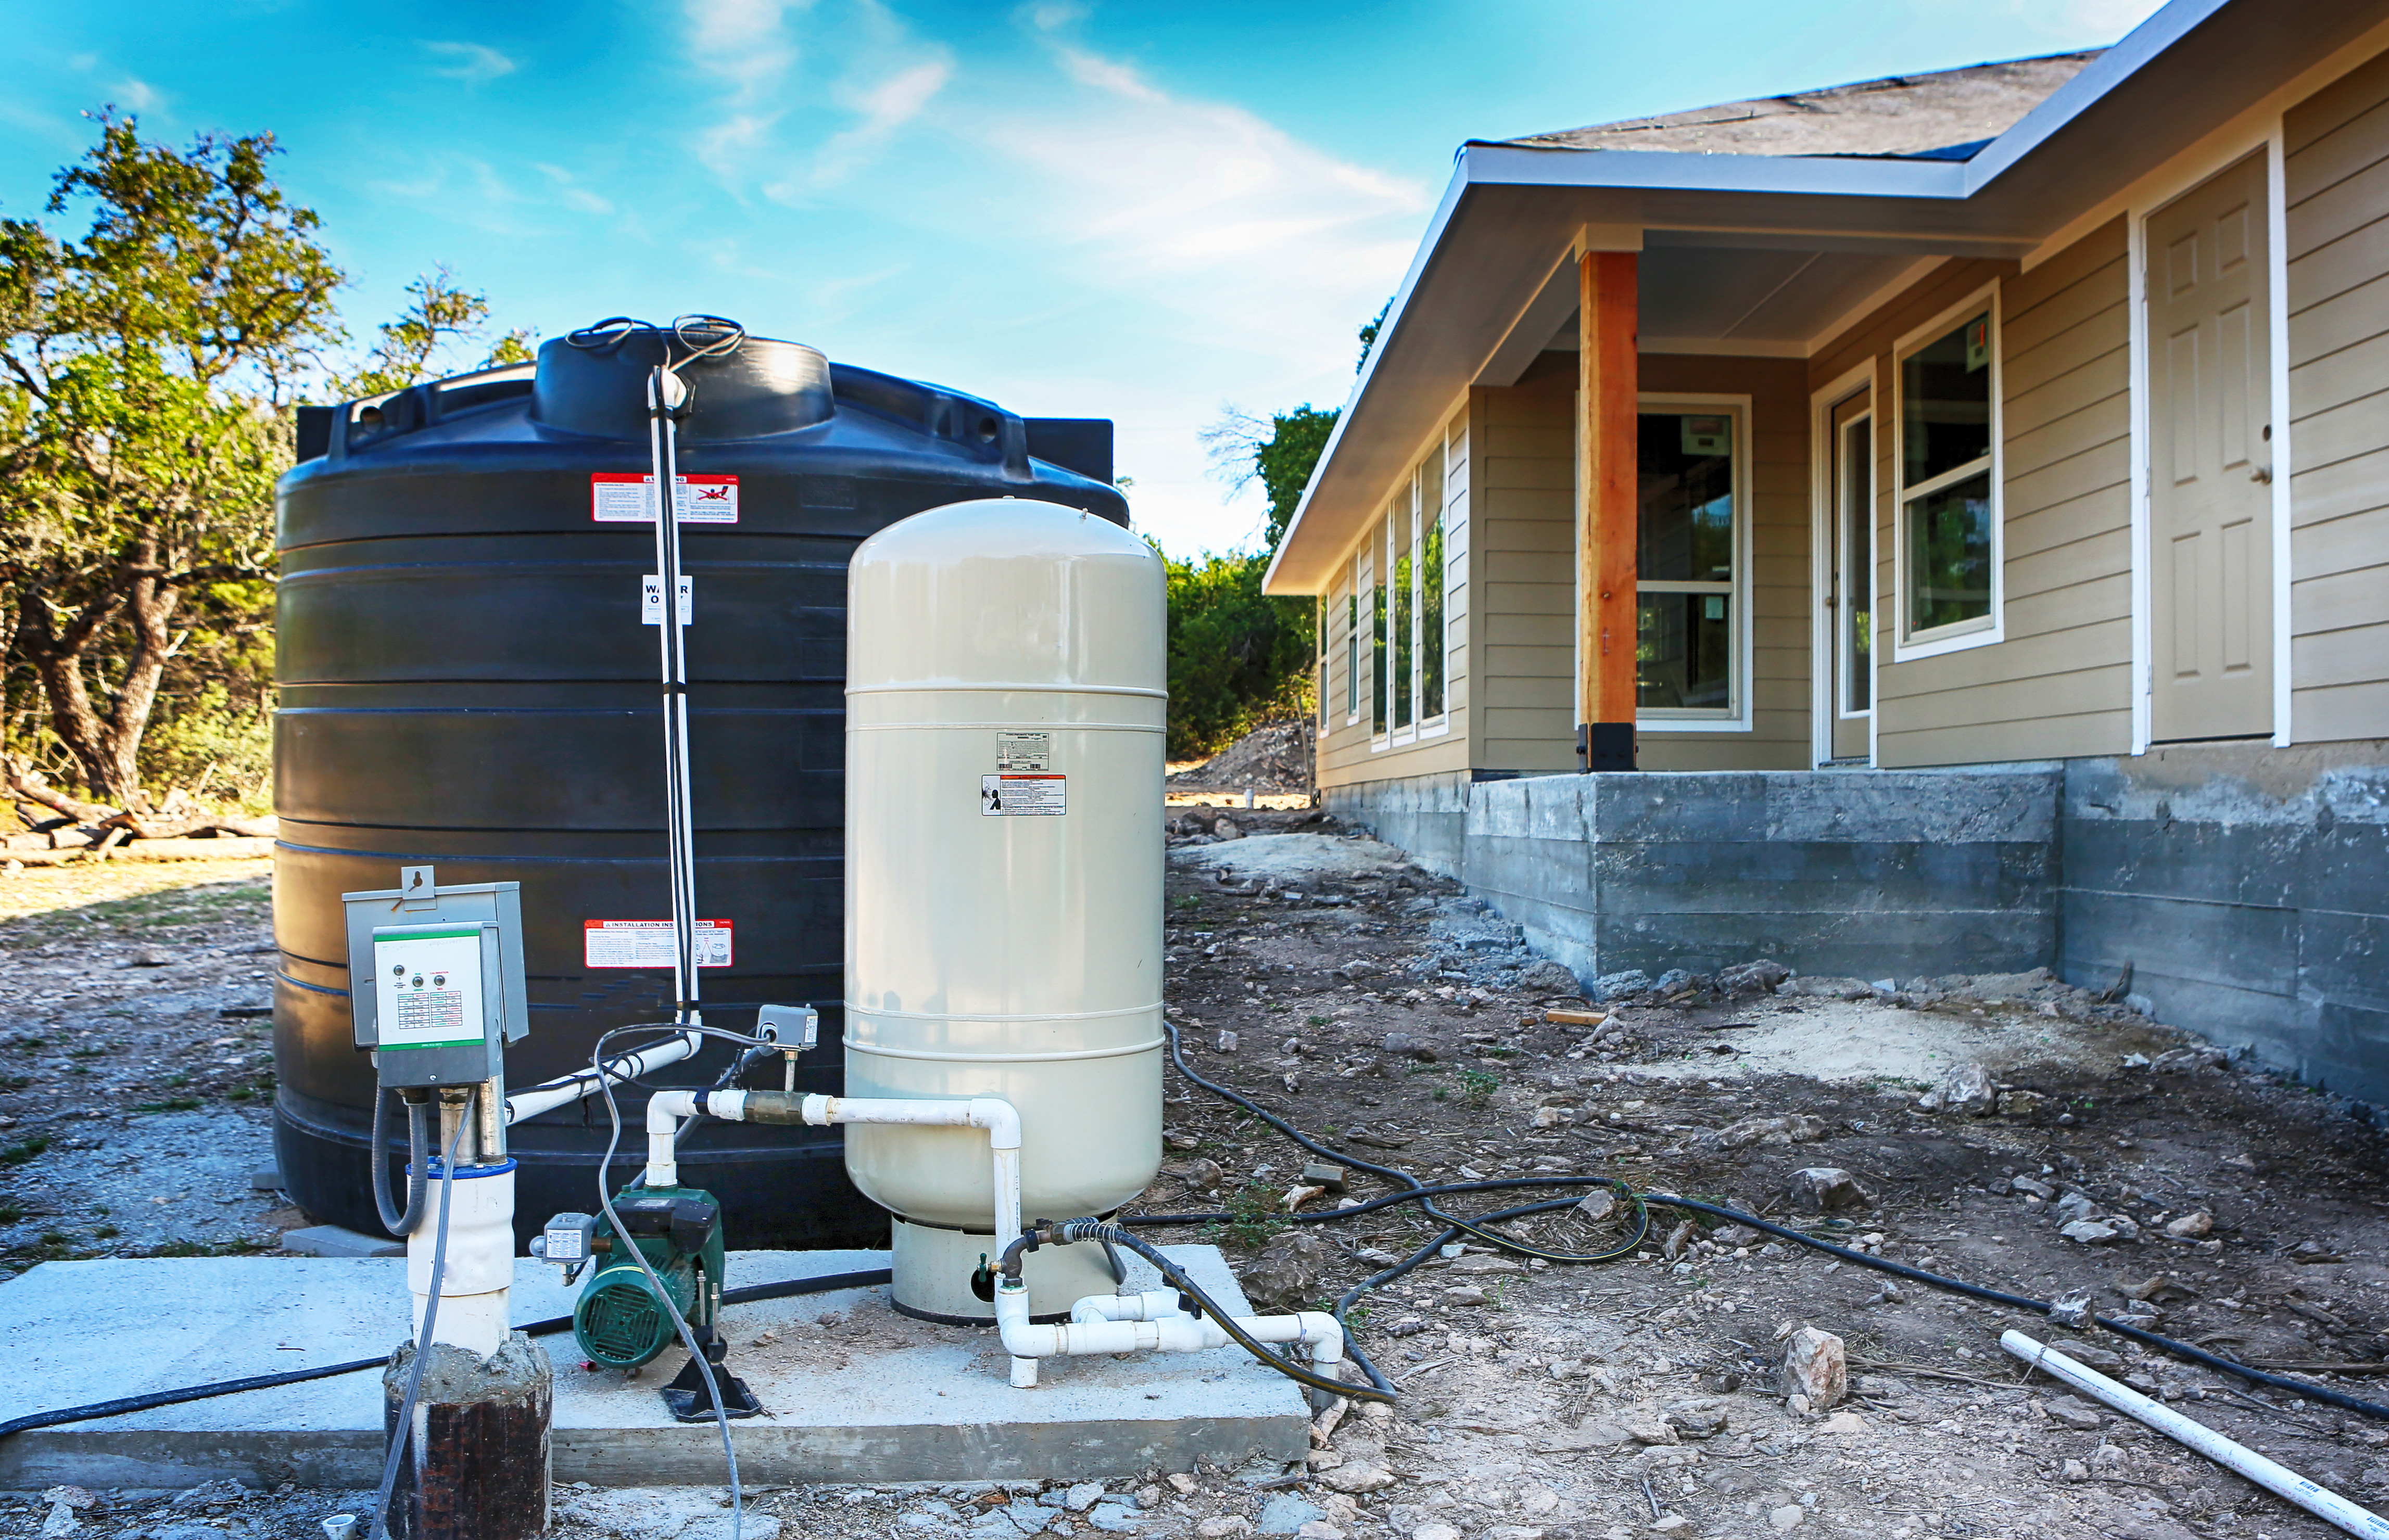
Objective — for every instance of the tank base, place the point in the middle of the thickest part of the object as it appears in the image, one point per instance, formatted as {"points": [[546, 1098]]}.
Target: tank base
{"points": [[932, 1270]]}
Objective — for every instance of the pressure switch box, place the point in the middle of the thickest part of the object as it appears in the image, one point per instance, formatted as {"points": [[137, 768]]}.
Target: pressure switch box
{"points": [[436, 980]]}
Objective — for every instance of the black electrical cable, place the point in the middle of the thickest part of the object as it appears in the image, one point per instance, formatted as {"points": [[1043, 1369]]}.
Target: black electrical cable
{"points": [[827, 1283], [1111, 1234], [393, 1219], [1418, 1192], [622, 1233], [1424, 1195]]}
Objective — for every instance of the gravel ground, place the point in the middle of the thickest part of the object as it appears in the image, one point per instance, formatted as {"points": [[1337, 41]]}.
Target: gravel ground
{"points": [[1539, 1402], [136, 1063]]}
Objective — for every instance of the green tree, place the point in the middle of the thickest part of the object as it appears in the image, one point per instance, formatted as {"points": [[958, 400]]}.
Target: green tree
{"points": [[408, 351], [145, 371], [1239, 658]]}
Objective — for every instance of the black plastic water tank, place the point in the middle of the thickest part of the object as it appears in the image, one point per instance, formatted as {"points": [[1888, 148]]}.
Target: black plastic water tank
{"points": [[465, 683]]}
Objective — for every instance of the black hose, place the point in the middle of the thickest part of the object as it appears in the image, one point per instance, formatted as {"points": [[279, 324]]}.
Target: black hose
{"points": [[418, 1179], [1416, 1192], [828, 1283]]}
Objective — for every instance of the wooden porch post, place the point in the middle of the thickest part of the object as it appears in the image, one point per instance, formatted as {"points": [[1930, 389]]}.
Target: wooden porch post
{"points": [[1607, 475]]}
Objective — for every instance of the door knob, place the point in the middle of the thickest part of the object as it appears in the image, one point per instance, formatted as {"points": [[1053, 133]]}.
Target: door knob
{"points": [[2262, 472]]}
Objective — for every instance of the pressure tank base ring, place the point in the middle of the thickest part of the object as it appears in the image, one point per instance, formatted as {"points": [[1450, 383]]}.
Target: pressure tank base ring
{"points": [[942, 1056], [934, 1318]]}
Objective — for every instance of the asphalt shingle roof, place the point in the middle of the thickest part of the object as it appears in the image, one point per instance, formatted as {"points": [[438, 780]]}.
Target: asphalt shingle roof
{"points": [[1946, 115]]}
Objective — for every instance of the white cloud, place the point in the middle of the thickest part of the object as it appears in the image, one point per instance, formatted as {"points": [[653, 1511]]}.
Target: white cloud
{"points": [[471, 62], [884, 107], [744, 44], [569, 191], [137, 95], [1208, 207]]}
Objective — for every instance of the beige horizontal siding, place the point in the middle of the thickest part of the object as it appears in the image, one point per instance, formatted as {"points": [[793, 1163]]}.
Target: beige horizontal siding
{"points": [[1524, 625], [1349, 753], [2059, 683], [2336, 187]]}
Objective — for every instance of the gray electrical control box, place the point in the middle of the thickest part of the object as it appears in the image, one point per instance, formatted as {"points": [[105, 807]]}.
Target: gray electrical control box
{"points": [[436, 979]]}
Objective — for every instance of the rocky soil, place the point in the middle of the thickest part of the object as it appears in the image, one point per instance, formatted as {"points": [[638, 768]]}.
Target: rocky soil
{"points": [[2012, 1130], [136, 1063]]}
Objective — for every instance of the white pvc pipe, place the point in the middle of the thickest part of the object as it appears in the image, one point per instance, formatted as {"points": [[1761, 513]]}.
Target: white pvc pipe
{"points": [[526, 1105], [479, 1268], [2275, 1478], [1145, 1323], [665, 1109]]}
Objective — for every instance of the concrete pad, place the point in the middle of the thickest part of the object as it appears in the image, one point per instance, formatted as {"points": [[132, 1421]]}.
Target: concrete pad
{"points": [[333, 1241], [876, 1398]]}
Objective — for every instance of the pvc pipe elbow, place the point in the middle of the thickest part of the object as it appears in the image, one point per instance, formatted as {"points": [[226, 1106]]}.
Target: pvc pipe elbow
{"points": [[1323, 1334], [1022, 1337], [1000, 1118]]}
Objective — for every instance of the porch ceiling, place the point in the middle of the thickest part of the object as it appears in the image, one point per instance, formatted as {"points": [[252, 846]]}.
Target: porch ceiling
{"points": [[1764, 251]]}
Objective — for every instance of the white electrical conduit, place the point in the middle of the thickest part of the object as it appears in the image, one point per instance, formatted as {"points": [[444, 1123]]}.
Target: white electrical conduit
{"points": [[525, 1104], [2279, 1480]]}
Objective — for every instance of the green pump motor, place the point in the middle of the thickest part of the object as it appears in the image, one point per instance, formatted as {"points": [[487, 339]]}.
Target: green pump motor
{"points": [[620, 1321]]}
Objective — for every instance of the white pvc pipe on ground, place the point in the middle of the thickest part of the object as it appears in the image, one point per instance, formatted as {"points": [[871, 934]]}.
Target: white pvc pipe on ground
{"points": [[2275, 1478]]}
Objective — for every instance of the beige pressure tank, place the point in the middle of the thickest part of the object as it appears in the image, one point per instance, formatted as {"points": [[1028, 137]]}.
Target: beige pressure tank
{"points": [[1005, 686]]}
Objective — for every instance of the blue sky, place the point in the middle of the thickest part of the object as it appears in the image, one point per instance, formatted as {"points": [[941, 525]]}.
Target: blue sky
{"points": [[1137, 210]]}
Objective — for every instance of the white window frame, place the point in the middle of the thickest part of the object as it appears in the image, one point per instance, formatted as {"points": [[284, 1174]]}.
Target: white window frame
{"points": [[1960, 636], [1356, 643], [1844, 664], [1736, 718], [1401, 735], [1332, 606], [1440, 724]]}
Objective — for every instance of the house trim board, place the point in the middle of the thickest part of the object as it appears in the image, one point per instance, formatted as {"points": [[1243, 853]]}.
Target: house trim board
{"points": [[1824, 518]]}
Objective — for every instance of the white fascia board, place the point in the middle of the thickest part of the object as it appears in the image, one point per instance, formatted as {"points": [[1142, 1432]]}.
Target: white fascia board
{"points": [[1429, 244], [1679, 171]]}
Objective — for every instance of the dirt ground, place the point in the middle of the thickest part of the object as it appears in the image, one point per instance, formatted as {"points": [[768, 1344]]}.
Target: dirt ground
{"points": [[136, 1062], [1539, 1402]]}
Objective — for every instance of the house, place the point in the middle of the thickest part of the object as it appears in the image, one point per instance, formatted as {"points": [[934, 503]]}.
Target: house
{"points": [[1931, 524]]}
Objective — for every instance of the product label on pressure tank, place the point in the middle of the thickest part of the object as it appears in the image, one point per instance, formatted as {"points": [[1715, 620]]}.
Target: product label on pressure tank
{"points": [[649, 943], [1024, 751], [627, 497], [1022, 795]]}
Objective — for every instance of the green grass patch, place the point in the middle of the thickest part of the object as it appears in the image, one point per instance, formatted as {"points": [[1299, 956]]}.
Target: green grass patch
{"points": [[172, 1105], [24, 1150]]}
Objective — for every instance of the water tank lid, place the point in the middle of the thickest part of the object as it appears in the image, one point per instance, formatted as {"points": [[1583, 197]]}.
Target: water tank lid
{"points": [[766, 386]]}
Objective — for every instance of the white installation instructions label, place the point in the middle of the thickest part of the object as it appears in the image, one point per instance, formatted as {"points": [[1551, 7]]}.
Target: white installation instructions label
{"points": [[649, 943], [1023, 796], [626, 497]]}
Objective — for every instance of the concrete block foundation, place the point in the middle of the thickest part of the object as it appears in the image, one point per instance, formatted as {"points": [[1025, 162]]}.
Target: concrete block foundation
{"points": [[2246, 885], [1867, 874]]}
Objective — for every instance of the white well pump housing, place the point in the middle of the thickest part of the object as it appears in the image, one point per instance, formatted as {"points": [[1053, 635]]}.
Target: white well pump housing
{"points": [[1005, 687]]}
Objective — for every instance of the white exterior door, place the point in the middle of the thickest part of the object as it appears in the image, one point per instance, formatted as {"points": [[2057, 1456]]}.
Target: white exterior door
{"points": [[2210, 461]]}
